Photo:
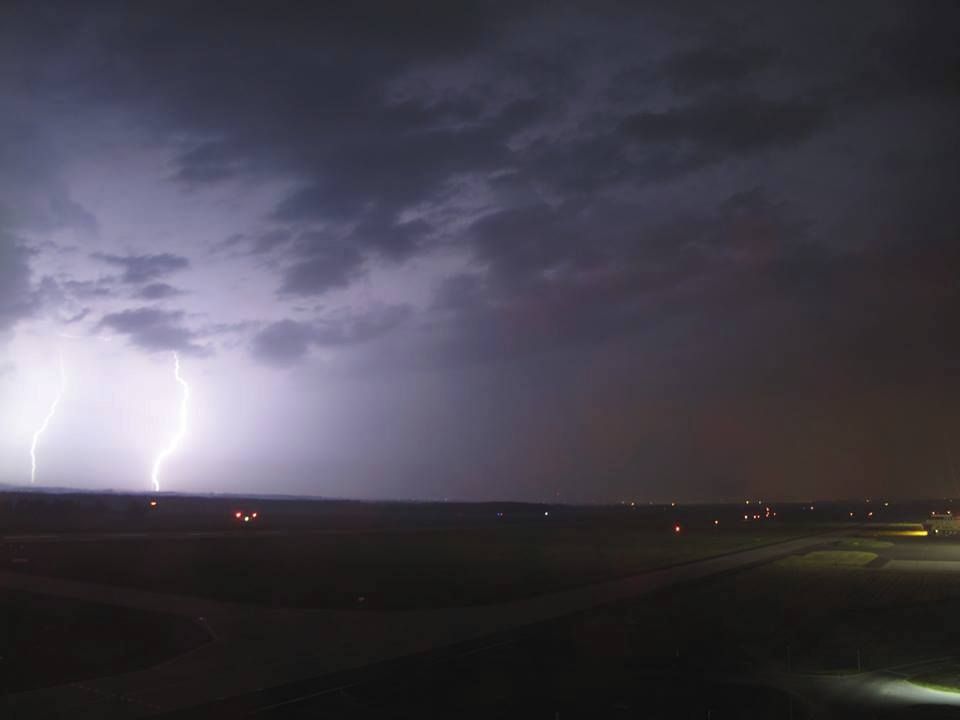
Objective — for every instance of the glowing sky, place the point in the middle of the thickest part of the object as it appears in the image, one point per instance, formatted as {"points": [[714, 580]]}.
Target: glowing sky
{"points": [[578, 251]]}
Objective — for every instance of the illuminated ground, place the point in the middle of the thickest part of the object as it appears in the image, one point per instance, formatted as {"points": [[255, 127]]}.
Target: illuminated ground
{"points": [[945, 678]]}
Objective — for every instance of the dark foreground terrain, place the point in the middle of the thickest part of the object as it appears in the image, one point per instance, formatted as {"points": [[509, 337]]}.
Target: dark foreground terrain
{"points": [[48, 640], [832, 632], [858, 622]]}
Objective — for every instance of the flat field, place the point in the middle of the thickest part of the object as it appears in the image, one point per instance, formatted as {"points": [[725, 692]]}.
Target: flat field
{"points": [[388, 570], [48, 641]]}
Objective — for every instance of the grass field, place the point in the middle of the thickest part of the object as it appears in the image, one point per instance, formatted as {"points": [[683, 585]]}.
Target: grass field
{"points": [[858, 543], [411, 569], [828, 558], [945, 678], [48, 641]]}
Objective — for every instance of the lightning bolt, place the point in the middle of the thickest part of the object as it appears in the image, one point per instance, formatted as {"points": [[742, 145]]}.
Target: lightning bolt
{"points": [[46, 422], [184, 398]]}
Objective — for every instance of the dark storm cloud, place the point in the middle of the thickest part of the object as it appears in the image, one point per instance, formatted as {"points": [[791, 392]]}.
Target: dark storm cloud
{"points": [[262, 244], [365, 143], [33, 196], [77, 317], [208, 163], [333, 99], [352, 327], [283, 343], [87, 289], [152, 330], [143, 268], [719, 127], [321, 109], [16, 299], [269, 241], [328, 264], [393, 240], [710, 67], [459, 292], [287, 342], [542, 287], [719, 204], [157, 291]]}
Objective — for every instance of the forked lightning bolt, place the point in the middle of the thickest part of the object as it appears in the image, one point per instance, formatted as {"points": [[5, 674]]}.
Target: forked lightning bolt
{"points": [[46, 422], [181, 431]]}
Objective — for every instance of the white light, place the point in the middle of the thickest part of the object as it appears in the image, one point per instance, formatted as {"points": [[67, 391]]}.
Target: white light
{"points": [[184, 398], [46, 422]]}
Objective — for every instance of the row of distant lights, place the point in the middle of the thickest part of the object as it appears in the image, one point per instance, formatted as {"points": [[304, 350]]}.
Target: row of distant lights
{"points": [[767, 514], [747, 502], [239, 515]]}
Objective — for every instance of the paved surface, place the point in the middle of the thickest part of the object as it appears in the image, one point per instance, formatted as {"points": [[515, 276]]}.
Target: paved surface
{"points": [[256, 648]]}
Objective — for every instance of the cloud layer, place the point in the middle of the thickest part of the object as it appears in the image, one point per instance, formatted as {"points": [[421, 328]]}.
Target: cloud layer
{"points": [[652, 227]]}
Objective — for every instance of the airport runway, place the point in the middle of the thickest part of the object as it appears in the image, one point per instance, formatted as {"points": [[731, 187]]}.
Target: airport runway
{"points": [[256, 649]]}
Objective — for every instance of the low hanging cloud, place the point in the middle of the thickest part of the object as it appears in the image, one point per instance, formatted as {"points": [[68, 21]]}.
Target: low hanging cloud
{"points": [[154, 330], [287, 342], [144, 268], [322, 267], [687, 137], [158, 291], [283, 343], [16, 300]]}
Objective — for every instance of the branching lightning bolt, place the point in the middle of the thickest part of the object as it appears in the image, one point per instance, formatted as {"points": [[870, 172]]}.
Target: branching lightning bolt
{"points": [[182, 430], [46, 422]]}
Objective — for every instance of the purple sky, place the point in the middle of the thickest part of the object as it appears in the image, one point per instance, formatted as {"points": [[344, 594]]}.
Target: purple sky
{"points": [[587, 251]]}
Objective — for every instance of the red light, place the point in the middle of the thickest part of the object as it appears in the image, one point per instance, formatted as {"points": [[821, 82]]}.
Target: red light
{"points": [[676, 528], [237, 515], [254, 515]]}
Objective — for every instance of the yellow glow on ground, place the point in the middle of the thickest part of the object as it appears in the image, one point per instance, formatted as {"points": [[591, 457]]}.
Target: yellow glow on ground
{"points": [[903, 533], [944, 679]]}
